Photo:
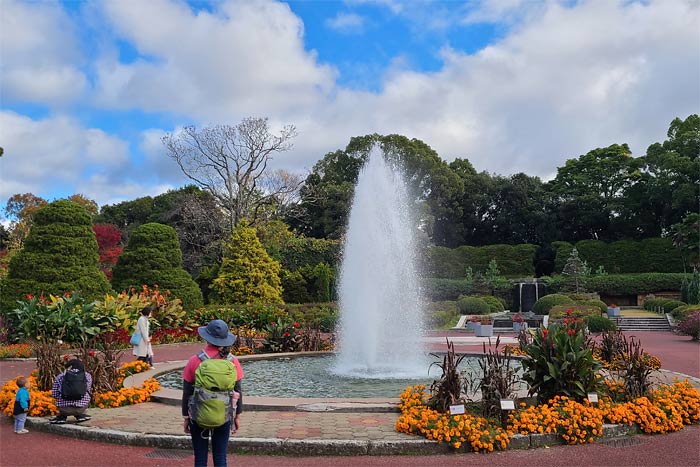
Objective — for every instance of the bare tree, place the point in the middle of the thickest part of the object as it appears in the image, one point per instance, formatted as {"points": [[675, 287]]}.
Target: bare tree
{"points": [[231, 163]]}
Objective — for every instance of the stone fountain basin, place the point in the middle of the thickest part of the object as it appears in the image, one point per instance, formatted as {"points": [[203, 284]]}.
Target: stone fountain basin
{"points": [[256, 403]]}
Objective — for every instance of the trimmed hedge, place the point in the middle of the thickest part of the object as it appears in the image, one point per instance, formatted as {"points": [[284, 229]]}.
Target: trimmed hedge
{"points": [[512, 260], [545, 304], [60, 255], [635, 284], [682, 312], [438, 289], [600, 323], [597, 303], [472, 306], [495, 304], [558, 312], [624, 256], [153, 257]]}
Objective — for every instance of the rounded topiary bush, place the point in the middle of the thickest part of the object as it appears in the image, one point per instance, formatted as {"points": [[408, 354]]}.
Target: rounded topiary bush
{"points": [[597, 303], [671, 305], [577, 311], [544, 304], [495, 304], [600, 323], [681, 312], [472, 306], [153, 257], [60, 255]]}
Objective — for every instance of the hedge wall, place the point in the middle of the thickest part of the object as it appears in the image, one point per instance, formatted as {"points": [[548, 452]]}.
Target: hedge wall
{"points": [[634, 284], [623, 256], [59, 255], [513, 260]]}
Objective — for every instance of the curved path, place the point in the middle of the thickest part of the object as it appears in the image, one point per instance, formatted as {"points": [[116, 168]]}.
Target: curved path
{"points": [[145, 421]]}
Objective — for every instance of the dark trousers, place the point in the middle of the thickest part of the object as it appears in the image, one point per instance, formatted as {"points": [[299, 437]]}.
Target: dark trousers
{"points": [[148, 359], [219, 442]]}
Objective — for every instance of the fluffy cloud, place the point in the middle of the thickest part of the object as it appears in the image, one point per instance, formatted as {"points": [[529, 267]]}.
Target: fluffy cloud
{"points": [[561, 83], [566, 78], [245, 58], [57, 155], [40, 56]]}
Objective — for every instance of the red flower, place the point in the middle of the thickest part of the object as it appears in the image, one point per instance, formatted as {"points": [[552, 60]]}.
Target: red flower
{"points": [[65, 357], [286, 333], [274, 323], [296, 324], [91, 353], [545, 332], [571, 332], [30, 296], [568, 312]]}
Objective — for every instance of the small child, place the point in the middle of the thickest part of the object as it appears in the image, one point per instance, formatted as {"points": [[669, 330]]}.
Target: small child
{"points": [[21, 405]]}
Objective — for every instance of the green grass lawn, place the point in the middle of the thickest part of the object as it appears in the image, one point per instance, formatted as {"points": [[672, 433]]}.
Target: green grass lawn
{"points": [[633, 313]]}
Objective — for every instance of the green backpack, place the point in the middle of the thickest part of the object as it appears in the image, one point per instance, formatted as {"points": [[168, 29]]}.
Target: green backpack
{"points": [[210, 405]]}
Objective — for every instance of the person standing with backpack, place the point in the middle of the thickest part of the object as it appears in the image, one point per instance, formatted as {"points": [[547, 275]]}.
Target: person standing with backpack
{"points": [[72, 390], [211, 396]]}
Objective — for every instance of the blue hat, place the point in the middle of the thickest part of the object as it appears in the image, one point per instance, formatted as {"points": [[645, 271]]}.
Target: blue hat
{"points": [[217, 333]]}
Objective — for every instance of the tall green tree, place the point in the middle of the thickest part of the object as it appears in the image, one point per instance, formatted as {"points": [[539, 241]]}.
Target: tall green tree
{"points": [[153, 257], [60, 255], [247, 273], [669, 186], [327, 194], [588, 192]]}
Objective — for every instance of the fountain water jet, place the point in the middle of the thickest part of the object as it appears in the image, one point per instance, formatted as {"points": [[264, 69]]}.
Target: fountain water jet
{"points": [[381, 322]]}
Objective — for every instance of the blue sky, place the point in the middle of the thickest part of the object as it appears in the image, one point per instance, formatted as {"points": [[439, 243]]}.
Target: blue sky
{"points": [[88, 89]]}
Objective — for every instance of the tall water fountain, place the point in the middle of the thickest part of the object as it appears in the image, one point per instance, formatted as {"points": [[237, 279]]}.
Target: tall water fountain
{"points": [[381, 318]]}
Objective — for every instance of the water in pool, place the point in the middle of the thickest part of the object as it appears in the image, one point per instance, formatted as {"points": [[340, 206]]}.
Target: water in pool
{"points": [[313, 377]]}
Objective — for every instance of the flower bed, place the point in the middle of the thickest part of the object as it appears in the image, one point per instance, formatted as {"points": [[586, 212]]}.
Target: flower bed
{"points": [[43, 404], [666, 409]]}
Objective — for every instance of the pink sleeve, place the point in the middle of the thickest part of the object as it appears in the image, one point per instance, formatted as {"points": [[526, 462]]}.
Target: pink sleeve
{"points": [[188, 371], [239, 369]]}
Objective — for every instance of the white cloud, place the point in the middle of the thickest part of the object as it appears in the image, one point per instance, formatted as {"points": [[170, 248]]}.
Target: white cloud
{"points": [[563, 81], [56, 154], [560, 84], [347, 23], [245, 58], [497, 11], [40, 54]]}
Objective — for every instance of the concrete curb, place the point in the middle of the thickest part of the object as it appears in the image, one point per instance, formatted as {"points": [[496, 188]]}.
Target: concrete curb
{"points": [[307, 447]]}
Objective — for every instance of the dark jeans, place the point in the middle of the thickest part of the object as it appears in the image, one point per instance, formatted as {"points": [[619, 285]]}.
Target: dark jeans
{"points": [[148, 359], [219, 442]]}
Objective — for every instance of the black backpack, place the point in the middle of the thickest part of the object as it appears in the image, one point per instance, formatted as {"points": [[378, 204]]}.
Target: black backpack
{"points": [[74, 385]]}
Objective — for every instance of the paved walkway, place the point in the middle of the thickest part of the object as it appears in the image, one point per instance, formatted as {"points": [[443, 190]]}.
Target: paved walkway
{"points": [[299, 432]]}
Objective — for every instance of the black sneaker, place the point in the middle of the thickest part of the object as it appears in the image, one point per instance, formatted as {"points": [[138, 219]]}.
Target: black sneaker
{"points": [[82, 418], [58, 420]]}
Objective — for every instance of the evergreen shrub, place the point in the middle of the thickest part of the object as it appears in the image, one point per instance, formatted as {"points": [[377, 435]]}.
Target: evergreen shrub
{"points": [[559, 312], [495, 304], [153, 257], [472, 306], [60, 255], [600, 323], [438, 289], [544, 304], [681, 312]]}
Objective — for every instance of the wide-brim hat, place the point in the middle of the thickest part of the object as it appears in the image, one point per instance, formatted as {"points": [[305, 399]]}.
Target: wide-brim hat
{"points": [[217, 333]]}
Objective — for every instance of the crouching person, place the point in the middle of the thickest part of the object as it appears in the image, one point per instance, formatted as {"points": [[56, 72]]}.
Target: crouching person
{"points": [[211, 396], [72, 389]]}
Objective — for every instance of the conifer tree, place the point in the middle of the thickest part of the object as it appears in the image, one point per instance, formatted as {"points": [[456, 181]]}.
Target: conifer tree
{"points": [[153, 257], [248, 274], [575, 270], [60, 255]]}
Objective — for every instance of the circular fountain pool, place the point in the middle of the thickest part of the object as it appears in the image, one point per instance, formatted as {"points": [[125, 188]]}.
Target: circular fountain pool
{"points": [[313, 377]]}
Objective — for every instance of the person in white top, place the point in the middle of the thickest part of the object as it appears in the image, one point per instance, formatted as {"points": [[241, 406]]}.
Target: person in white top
{"points": [[143, 350]]}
